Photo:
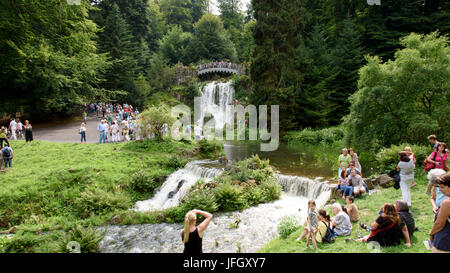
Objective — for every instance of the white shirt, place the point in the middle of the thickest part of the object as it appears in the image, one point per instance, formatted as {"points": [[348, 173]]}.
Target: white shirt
{"points": [[13, 125], [197, 130]]}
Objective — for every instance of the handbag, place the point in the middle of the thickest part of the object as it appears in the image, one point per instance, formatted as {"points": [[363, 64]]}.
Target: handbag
{"points": [[428, 165]]}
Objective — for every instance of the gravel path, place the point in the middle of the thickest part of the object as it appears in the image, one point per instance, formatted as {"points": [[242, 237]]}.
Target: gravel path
{"points": [[68, 132]]}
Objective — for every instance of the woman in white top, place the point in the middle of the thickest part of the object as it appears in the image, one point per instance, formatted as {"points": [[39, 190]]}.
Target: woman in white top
{"points": [[82, 132], [406, 167], [115, 131], [198, 132]]}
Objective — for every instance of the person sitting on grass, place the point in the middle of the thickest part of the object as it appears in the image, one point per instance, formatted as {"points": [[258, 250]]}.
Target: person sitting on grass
{"points": [[344, 184], [324, 223], [436, 195], [352, 209], [357, 183], [440, 232], [311, 225], [341, 221], [386, 228], [408, 224]]}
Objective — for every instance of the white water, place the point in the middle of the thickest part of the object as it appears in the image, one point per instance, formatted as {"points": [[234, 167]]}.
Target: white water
{"points": [[215, 99], [258, 225], [177, 185]]}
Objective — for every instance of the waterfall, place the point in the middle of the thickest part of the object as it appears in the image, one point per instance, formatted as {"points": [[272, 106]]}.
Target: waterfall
{"points": [[257, 225], [177, 185], [216, 96], [305, 187]]}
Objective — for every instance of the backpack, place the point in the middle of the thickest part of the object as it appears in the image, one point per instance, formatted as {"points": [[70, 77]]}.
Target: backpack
{"points": [[428, 165], [330, 236], [396, 176], [6, 152]]}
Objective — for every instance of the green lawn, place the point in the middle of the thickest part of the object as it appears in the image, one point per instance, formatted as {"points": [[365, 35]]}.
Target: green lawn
{"points": [[56, 186], [369, 207]]}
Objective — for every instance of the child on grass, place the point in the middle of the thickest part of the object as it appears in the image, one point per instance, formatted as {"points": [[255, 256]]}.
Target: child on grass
{"points": [[311, 225], [352, 209]]}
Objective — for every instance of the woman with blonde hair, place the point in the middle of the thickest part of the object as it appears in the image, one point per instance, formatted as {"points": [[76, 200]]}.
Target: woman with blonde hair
{"points": [[192, 235]]}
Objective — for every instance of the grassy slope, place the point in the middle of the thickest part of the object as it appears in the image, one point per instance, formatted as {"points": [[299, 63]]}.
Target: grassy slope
{"points": [[369, 207], [41, 191]]}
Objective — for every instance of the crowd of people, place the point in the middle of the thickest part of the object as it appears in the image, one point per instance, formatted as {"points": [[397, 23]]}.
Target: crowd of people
{"points": [[228, 65], [395, 221], [15, 131]]}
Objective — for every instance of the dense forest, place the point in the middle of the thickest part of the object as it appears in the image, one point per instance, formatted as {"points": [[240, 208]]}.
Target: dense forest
{"points": [[304, 55]]}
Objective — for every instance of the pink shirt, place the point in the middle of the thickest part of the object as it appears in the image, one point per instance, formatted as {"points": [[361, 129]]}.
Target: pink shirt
{"points": [[441, 159]]}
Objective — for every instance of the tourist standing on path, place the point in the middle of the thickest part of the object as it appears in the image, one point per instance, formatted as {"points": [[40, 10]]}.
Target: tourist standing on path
{"points": [[406, 167], [19, 129], [82, 132], [191, 235], [115, 130], [13, 129], [440, 232], [28, 131], [3, 136], [101, 128], [8, 155], [344, 160], [198, 132]]}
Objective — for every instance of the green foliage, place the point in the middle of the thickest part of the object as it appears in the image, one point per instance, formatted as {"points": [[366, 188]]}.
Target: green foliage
{"points": [[202, 200], [98, 201], [157, 116], [87, 238], [271, 189], [314, 137], [48, 57], [406, 96], [210, 149], [143, 182], [173, 46], [210, 41], [387, 158], [288, 225], [21, 243], [229, 197]]}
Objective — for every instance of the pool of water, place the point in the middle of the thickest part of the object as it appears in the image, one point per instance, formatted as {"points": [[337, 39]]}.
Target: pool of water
{"points": [[288, 159]]}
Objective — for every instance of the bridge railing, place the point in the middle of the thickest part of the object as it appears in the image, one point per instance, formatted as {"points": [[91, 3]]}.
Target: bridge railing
{"points": [[218, 67]]}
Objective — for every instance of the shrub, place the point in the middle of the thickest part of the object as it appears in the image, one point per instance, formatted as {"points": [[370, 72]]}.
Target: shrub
{"points": [[314, 137], [202, 200], [271, 190], [176, 162], [387, 158], [22, 243], [229, 197], [210, 149], [98, 201], [288, 225], [87, 238], [254, 196], [143, 182]]}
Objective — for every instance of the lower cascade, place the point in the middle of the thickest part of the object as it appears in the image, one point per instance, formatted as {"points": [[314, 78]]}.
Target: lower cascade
{"points": [[257, 225], [177, 185]]}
